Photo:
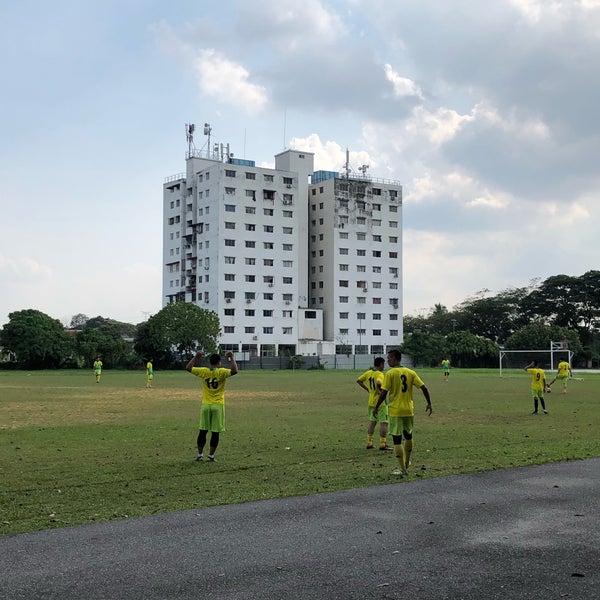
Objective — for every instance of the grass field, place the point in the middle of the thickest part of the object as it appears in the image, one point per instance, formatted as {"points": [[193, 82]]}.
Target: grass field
{"points": [[73, 451]]}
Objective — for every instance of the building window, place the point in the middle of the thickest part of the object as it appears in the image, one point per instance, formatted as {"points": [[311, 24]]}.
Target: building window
{"points": [[250, 175], [268, 177], [250, 244], [230, 191], [288, 230], [250, 261], [230, 242], [230, 260], [344, 251], [229, 312], [288, 280], [343, 315], [229, 173], [268, 245], [229, 277], [287, 247], [268, 212], [344, 299], [250, 210], [250, 227], [268, 262], [249, 312], [268, 228], [229, 329], [230, 208], [250, 278], [229, 225]]}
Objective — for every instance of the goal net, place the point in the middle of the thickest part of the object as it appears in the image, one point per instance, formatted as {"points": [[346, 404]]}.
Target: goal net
{"points": [[547, 359]]}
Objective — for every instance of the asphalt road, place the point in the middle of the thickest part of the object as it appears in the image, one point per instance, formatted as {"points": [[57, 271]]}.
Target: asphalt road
{"points": [[528, 533]]}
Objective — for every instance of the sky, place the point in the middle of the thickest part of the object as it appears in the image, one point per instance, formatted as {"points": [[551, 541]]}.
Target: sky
{"points": [[486, 112]]}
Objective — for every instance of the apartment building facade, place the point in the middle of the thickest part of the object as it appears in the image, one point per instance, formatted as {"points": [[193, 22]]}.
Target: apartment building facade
{"points": [[291, 260]]}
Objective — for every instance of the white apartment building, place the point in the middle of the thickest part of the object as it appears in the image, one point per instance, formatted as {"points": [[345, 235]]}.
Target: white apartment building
{"points": [[288, 266], [356, 260]]}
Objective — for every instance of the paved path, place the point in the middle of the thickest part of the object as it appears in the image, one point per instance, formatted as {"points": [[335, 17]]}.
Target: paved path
{"points": [[527, 533]]}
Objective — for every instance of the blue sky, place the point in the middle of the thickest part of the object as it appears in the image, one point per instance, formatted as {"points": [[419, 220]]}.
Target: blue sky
{"points": [[486, 112]]}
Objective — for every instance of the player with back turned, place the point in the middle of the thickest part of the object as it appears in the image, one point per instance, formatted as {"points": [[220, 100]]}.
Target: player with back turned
{"points": [[212, 412], [398, 383]]}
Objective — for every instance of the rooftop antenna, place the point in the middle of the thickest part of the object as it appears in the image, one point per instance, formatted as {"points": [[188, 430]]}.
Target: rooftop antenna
{"points": [[363, 169], [189, 134], [207, 132], [347, 165]]}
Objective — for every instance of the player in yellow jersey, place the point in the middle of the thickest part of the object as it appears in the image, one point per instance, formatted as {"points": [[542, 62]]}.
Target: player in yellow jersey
{"points": [[149, 373], [538, 385], [97, 369], [446, 367], [398, 383], [563, 373], [212, 412], [371, 381]]}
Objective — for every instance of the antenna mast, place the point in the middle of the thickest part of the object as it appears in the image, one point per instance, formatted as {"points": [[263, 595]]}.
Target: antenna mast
{"points": [[207, 132]]}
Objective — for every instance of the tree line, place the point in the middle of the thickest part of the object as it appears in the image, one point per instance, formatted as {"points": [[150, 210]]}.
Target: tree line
{"points": [[559, 308], [33, 340]]}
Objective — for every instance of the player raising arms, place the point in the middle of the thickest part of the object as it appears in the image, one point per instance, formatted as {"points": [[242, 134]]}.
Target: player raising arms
{"points": [[399, 382], [538, 385], [212, 413]]}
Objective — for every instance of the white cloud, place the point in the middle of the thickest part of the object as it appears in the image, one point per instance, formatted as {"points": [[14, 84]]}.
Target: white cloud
{"points": [[403, 86], [330, 156], [228, 82], [22, 270], [290, 24]]}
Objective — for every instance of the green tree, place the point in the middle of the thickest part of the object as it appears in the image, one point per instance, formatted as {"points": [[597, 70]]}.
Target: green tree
{"points": [[426, 349], [176, 331], [469, 350], [112, 340], [538, 335], [37, 340], [78, 321]]}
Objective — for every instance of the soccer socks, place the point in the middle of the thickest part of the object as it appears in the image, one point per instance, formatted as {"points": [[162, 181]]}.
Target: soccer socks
{"points": [[399, 452], [408, 446], [369, 439], [382, 442]]}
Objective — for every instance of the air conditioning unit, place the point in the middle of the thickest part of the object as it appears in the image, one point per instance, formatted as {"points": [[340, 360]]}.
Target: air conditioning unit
{"points": [[228, 300], [248, 300], [364, 289], [288, 186], [287, 302], [254, 337], [270, 285]]}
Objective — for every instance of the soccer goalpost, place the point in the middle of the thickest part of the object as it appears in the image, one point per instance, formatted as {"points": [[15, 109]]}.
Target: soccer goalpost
{"points": [[555, 348]]}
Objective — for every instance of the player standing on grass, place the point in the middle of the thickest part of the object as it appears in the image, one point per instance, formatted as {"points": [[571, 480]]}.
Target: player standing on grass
{"points": [[399, 382], [538, 385], [97, 369], [446, 367], [371, 381], [212, 412], [149, 373], [563, 373]]}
